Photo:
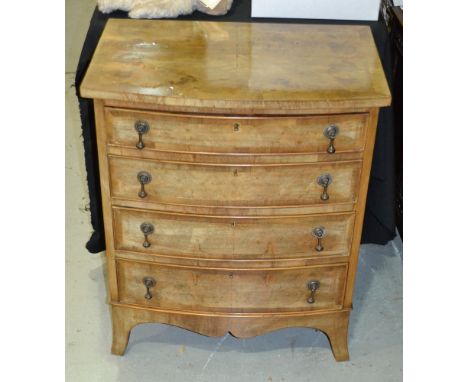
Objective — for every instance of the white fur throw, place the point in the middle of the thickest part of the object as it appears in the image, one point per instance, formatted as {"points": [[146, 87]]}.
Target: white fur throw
{"points": [[154, 9]]}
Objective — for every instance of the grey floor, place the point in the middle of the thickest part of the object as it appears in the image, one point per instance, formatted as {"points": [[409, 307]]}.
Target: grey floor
{"points": [[164, 353]]}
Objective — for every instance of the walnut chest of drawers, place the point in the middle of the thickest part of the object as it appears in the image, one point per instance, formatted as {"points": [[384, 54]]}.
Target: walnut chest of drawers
{"points": [[234, 162]]}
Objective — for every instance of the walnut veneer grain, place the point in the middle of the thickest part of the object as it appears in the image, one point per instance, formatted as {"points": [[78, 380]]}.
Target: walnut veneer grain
{"points": [[234, 238], [236, 134], [234, 185], [248, 66], [231, 290]]}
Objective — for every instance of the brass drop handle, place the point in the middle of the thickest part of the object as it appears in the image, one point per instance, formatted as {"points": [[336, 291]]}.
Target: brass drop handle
{"points": [[331, 132], [319, 233], [141, 127], [144, 178], [313, 286], [147, 229], [149, 282], [324, 181]]}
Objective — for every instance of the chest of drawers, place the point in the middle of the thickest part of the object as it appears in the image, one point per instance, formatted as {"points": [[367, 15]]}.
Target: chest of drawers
{"points": [[234, 161]]}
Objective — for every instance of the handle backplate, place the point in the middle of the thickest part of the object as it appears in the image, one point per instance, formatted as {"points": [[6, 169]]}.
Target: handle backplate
{"points": [[324, 181], [141, 127], [331, 133], [319, 233], [149, 282], [147, 229], [313, 286], [144, 178]]}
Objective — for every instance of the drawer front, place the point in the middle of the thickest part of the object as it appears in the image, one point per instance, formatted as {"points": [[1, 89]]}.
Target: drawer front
{"points": [[210, 134], [233, 238], [231, 185], [238, 290]]}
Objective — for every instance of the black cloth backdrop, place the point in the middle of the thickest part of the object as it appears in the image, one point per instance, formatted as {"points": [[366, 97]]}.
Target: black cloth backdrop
{"points": [[379, 221]]}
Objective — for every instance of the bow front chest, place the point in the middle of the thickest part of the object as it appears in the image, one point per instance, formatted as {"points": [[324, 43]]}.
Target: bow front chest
{"points": [[234, 161]]}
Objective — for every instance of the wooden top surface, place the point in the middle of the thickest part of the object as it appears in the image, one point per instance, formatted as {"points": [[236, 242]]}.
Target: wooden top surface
{"points": [[251, 66]]}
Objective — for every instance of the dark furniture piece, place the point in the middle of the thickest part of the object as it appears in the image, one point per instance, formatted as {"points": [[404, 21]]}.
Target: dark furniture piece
{"points": [[393, 17]]}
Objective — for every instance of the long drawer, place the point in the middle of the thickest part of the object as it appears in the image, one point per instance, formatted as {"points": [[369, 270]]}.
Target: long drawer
{"points": [[241, 135], [210, 237], [239, 290], [233, 185]]}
